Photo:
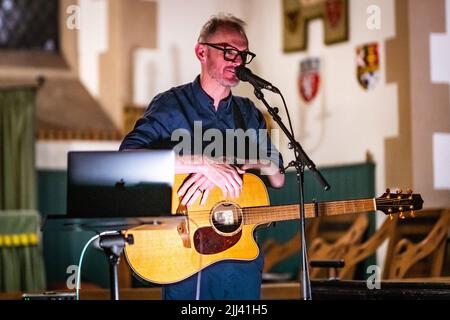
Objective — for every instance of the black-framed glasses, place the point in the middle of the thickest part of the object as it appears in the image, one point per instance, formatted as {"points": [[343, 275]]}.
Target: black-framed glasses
{"points": [[231, 53]]}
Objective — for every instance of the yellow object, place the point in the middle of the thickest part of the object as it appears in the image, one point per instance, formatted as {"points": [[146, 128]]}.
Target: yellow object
{"points": [[18, 239]]}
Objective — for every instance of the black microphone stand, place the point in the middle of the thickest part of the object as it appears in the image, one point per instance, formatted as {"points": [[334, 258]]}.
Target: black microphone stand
{"points": [[113, 245], [301, 161]]}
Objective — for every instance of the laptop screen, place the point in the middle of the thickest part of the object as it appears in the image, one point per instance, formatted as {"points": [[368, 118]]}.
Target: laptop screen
{"points": [[120, 184]]}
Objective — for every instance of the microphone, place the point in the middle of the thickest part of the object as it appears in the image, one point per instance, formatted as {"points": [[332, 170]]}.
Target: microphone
{"points": [[245, 74]]}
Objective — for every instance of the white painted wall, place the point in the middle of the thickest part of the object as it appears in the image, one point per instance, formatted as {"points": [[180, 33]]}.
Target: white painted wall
{"points": [[52, 155], [440, 73], [440, 51], [344, 121], [92, 41], [173, 62], [441, 161]]}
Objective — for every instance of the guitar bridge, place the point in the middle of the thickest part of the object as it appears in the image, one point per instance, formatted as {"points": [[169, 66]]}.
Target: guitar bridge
{"points": [[183, 227]]}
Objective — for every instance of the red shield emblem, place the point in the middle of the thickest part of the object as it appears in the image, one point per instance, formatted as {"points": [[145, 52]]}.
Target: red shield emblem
{"points": [[309, 78], [368, 65], [333, 10]]}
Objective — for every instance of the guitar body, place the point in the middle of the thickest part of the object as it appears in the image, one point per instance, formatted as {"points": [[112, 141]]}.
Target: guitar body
{"points": [[210, 233]]}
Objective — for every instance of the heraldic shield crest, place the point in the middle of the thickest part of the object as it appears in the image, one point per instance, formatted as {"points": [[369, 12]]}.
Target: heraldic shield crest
{"points": [[368, 65], [309, 78]]}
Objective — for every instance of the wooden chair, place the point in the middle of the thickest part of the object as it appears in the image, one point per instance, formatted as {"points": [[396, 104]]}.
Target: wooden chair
{"points": [[416, 246], [323, 249], [419, 259], [275, 252], [329, 238]]}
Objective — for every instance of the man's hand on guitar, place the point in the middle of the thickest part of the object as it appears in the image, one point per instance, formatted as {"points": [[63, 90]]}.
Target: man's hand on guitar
{"points": [[272, 171], [211, 173], [192, 188]]}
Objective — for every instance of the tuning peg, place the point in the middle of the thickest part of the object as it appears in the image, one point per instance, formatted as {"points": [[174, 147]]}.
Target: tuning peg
{"points": [[399, 191], [409, 191], [391, 217], [388, 193], [402, 215], [412, 213]]}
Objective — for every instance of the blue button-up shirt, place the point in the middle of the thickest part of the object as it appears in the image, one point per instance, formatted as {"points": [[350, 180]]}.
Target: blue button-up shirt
{"points": [[189, 110]]}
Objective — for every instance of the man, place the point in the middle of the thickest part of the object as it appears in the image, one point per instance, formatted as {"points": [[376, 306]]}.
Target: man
{"points": [[222, 46]]}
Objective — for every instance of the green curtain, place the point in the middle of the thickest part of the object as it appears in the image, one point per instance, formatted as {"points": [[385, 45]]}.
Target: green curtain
{"points": [[17, 170], [21, 261]]}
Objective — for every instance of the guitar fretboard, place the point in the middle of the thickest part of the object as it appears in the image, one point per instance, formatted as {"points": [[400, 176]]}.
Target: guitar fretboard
{"points": [[261, 215]]}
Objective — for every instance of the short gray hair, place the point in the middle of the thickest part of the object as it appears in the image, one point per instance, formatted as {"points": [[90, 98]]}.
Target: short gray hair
{"points": [[219, 21]]}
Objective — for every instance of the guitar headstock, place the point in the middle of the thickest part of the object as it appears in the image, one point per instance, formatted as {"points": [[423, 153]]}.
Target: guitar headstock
{"points": [[399, 202]]}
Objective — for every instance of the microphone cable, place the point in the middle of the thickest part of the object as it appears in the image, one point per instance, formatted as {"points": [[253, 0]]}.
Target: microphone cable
{"points": [[287, 114], [80, 262]]}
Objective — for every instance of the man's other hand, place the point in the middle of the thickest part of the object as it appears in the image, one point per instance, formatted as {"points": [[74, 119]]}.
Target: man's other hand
{"points": [[211, 173]]}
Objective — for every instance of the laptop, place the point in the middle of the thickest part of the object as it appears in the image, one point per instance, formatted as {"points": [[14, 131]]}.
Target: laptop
{"points": [[108, 184]]}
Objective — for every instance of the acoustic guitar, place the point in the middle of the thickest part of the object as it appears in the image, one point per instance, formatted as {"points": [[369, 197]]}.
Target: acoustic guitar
{"points": [[223, 229]]}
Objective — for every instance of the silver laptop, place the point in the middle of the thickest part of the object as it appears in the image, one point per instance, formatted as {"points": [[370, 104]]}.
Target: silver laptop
{"points": [[106, 184]]}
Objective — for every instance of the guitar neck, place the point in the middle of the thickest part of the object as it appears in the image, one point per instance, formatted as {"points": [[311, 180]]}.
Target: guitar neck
{"points": [[263, 215]]}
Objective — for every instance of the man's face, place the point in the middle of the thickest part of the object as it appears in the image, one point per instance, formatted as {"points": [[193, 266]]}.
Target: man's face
{"points": [[217, 67]]}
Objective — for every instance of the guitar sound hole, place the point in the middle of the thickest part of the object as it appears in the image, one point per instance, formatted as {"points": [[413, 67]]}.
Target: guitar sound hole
{"points": [[226, 217]]}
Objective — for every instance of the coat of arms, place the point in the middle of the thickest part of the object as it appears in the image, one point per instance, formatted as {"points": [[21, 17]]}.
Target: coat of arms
{"points": [[309, 78], [334, 11], [368, 65]]}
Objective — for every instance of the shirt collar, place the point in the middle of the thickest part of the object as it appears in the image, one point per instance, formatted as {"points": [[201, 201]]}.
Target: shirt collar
{"points": [[205, 100]]}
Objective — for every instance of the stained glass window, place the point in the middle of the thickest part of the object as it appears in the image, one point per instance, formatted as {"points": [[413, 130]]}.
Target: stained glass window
{"points": [[29, 24]]}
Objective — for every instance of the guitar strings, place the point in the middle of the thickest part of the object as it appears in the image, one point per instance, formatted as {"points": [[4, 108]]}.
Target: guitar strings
{"points": [[286, 210], [329, 205]]}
